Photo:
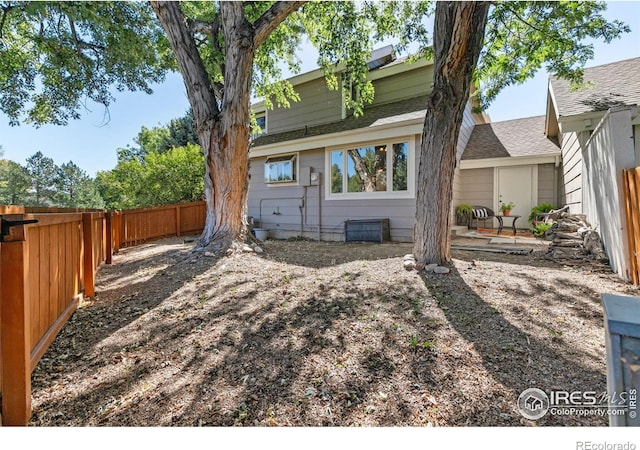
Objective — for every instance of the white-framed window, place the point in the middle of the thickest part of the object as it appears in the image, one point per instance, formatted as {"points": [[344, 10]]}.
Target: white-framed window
{"points": [[281, 169], [382, 169]]}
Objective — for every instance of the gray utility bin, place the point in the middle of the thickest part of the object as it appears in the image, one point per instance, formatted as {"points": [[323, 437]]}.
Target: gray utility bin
{"points": [[622, 334], [367, 230]]}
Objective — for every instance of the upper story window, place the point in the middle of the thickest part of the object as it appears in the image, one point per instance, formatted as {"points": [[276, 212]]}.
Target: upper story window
{"points": [[381, 170], [281, 169], [261, 123]]}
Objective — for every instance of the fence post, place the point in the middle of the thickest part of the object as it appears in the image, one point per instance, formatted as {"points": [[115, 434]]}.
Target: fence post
{"points": [[109, 233], [177, 220], [87, 243], [116, 229], [15, 328]]}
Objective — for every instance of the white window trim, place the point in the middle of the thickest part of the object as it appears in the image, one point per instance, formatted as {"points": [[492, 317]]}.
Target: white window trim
{"points": [[296, 182], [411, 171]]}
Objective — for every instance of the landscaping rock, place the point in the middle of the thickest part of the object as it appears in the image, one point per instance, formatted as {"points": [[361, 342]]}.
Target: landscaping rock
{"points": [[441, 270], [409, 264], [574, 239], [258, 249], [247, 249], [430, 267], [408, 257]]}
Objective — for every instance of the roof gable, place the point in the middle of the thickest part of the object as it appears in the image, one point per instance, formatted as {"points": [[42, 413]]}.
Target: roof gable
{"points": [[606, 86], [511, 138]]}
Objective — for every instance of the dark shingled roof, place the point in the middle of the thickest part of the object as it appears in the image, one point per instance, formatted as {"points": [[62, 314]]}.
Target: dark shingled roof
{"points": [[414, 108], [519, 137], [608, 85]]}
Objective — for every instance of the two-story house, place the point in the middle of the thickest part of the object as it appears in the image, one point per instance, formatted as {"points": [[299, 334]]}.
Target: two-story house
{"points": [[317, 166]]}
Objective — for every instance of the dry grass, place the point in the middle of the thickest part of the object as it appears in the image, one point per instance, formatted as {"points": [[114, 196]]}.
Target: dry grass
{"points": [[311, 334]]}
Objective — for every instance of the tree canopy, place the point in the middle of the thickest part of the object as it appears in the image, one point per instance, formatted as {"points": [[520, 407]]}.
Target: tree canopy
{"points": [[56, 55], [171, 176]]}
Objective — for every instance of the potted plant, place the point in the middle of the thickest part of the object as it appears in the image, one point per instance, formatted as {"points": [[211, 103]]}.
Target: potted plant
{"points": [[463, 214], [506, 208]]}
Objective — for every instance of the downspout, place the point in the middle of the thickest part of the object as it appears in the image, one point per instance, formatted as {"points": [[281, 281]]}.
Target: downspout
{"points": [[319, 204]]}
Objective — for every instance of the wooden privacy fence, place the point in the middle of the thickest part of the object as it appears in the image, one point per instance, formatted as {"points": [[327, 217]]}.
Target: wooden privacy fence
{"points": [[631, 183], [48, 266], [45, 269], [135, 226]]}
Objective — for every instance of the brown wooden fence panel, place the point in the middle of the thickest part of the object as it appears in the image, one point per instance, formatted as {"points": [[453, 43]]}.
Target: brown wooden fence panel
{"points": [[631, 183], [192, 217], [137, 226], [45, 269], [55, 283]]}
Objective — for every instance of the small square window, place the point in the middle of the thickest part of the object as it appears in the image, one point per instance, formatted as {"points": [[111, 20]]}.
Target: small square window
{"points": [[281, 169]]}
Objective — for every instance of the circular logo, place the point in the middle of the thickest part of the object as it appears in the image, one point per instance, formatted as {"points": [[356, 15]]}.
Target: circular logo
{"points": [[533, 403]]}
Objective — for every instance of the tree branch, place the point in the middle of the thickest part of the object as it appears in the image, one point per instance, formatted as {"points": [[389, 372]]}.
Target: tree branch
{"points": [[196, 80], [271, 18], [5, 11], [530, 25]]}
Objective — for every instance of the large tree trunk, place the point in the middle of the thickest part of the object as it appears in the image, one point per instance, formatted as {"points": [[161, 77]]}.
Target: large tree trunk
{"points": [[227, 148], [458, 39], [222, 124]]}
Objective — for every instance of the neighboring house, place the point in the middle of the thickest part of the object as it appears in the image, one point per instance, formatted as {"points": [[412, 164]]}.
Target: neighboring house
{"points": [[573, 115], [510, 161], [317, 166]]}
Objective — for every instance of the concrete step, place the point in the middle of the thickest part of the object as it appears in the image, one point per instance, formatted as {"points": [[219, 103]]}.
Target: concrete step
{"points": [[457, 230]]}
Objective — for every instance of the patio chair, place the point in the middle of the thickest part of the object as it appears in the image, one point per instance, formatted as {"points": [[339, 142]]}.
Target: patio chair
{"points": [[481, 213]]}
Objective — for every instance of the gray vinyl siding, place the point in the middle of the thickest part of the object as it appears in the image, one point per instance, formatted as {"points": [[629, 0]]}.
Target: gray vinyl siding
{"points": [[465, 130], [546, 184], [572, 145], [317, 105], [476, 186], [286, 201], [410, 84]]}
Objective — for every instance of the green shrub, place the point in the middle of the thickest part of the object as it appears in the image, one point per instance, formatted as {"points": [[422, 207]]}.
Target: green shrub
{"points": [[540, 228], [541, 208], [463, 214]]}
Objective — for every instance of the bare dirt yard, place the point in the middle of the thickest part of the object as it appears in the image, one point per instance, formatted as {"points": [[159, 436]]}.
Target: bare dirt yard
{"points": [[315, 334]]}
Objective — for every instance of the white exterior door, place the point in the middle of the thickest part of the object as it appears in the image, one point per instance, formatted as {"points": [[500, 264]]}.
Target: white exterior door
{"points": [[517, 184]]}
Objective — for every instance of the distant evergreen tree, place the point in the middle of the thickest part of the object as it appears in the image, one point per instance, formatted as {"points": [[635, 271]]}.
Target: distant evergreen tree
{"points": [[42, 171]]}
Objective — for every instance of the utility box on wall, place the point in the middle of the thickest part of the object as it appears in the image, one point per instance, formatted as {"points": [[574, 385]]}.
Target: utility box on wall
{"points": [[622, 334], [305, 176], [367, 230]]}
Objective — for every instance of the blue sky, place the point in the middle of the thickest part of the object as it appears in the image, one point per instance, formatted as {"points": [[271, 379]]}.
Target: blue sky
{"points": [[91, 142]]}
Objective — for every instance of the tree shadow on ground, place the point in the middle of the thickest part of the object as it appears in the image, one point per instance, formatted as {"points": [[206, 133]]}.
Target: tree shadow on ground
{"points": [[513, 353], [269, 341]]}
